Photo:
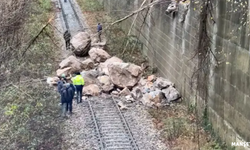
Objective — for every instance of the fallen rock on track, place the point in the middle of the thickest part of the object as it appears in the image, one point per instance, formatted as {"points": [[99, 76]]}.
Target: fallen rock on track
{"points": [[81, 44], [73, 62], [98, 55], [91, 90], [103, 67], [124, 74], [88, 64], [65, 71], [106, 83]]}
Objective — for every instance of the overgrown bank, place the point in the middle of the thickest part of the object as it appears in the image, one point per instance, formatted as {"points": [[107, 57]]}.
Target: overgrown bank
{"points": [[29, 108]]}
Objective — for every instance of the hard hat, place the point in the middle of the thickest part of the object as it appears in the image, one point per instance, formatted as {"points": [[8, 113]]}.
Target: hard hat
{"points": [[63, 75]]}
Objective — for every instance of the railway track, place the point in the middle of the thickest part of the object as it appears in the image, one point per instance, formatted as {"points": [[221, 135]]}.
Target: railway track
{"points": [[112, 129]]}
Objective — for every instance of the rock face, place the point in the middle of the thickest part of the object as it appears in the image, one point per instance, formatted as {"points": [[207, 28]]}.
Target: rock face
{"points": [[103, 67], [106, 84], [124, 74], [91, 90], [171, 94], [98, 55], [72, 62], [81, 44], [88, 64]]}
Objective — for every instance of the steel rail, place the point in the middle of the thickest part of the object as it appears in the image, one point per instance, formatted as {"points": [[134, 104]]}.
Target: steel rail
{"points": [[96, 125], [126, 124]]}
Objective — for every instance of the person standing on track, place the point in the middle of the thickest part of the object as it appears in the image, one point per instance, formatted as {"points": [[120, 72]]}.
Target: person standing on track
{"points": [[62, 80], [78, 82], [99, 30], [67, 37]]}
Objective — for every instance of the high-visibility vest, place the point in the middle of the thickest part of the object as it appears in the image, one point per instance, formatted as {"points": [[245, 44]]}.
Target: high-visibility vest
{"points": [[78, 80]]}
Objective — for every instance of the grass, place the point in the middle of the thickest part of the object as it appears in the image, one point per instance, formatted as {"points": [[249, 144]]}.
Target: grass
{"points": [[180, 132], [29, 108]]}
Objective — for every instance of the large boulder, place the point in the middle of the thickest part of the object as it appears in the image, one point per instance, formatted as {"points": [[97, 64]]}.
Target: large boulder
{"points": [[88, 64], [106, 84], [171, 94], [98, 55], [81, 44], [162, 83], [91, 90], [89, 77], [65, 71], [73, 62], [103, 67], [124, 74]]}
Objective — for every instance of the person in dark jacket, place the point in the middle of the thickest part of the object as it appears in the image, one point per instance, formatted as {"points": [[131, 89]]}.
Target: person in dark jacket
{"points": [[71, 92], [67, 98], [99, 30], [62, 80], [67, 37]]}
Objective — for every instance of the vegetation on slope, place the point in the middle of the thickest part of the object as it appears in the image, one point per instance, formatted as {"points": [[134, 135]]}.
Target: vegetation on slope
{"points": [[29, 108]]}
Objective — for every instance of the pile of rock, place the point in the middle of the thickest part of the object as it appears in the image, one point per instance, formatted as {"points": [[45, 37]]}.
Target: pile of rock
{"points": [[111, 75]]}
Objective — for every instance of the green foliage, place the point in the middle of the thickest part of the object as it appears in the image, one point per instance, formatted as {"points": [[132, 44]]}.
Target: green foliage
{"points": [[207, 125], [46, 5], [90, 5], [174, 127], [29, 109]]}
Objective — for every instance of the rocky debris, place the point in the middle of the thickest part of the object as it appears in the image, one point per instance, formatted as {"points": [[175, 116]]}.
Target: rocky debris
{"points": [[163, 83], [73, 62], [110, 76], [171, 94], [98, 55], [151, 78], [129, 99], [103, 67], [124, 74], [122, 105], [106, 83], [88, 64], [114, 93], [136, 93], [65, 71], [81, 44], [124, 92], [91, 90]]}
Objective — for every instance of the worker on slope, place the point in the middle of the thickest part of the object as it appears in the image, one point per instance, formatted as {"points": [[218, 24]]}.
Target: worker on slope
{"points": [[67, 37], [99, 30], [78, 82], [62, 80]]}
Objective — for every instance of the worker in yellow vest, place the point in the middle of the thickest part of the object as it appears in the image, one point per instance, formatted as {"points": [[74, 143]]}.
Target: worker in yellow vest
{"points": [[78, 82]]}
